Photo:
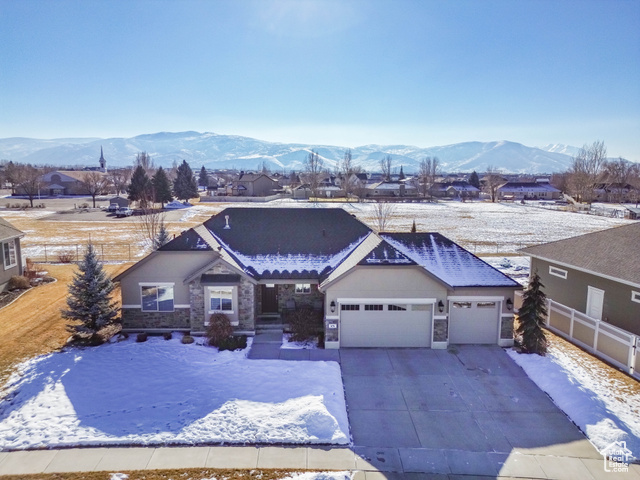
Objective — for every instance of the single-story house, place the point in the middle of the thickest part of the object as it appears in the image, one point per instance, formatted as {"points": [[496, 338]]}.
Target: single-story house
{"points": [[597, 274], [375, 290], [390, 189], [10, 252], [614, 192], [254, 185], [528, 191]]}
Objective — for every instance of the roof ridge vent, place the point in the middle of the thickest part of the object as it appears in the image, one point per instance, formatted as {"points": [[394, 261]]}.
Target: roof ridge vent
{"points": [[227, 226]]}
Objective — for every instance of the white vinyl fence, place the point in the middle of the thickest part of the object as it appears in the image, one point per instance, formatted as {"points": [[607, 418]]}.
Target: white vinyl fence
{"points": [[599, 338]]}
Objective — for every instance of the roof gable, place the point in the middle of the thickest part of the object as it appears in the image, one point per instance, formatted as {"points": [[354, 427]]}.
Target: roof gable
{"points": [[610, 253], [8, 231], [187, 240], [385, 254], [447, 260], [287, 242]]}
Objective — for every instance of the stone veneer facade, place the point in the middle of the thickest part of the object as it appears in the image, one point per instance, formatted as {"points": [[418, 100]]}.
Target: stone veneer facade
{"points": [[246, 302], [440, 329], [136, 319], [506, 328]]}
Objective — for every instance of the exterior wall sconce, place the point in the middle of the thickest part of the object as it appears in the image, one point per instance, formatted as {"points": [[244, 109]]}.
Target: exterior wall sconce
{"points": [[440, 306], [509, 304], [332, 306]]}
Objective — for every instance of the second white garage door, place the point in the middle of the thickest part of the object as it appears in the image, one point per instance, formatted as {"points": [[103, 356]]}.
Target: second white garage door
{"points": [[474, 321], [385, 325]]}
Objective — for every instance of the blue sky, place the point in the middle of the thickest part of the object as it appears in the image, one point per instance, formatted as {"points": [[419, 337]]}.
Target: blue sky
{"points": [[335, 72]]}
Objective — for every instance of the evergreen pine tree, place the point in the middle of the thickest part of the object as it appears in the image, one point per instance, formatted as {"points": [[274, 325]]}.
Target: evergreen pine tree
{"points": [[139, 190], [413, 227], [401, 176], [162, 238], [474, 180], [184, 186], [203, 178], [161, 187], [89, 301], [531, 317]]}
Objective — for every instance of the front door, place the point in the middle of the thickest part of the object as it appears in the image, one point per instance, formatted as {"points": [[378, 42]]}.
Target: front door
{"points": [[269, 298]]}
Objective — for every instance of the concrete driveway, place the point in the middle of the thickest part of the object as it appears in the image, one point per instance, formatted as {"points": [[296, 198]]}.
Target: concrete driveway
{"points": [[463, 410]]}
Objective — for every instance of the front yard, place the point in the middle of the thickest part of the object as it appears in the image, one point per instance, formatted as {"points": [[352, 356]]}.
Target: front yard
{"points": [[165, 392]]}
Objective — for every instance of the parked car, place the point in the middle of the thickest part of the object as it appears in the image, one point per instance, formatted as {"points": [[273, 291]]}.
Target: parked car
{"points": [[113, 207], [124, 212]]}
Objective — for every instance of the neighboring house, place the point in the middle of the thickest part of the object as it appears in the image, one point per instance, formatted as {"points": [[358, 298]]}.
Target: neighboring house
{"points": [[10, 252], [119, 201], [528, 191], [390, 189], [254, 185], [439, 189], [65, 182], [597, 274], [376, 290], [614, 192]]}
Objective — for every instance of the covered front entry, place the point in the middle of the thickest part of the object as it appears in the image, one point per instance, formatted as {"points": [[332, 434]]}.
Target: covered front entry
{"points": [[474, 321], [269, 298], [385, 325]]}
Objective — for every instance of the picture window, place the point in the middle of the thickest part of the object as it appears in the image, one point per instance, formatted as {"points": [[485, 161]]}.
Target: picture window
{"points": [[157, 298]]}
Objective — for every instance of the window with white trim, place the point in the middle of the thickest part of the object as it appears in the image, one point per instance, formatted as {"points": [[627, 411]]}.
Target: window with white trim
{"points": [[557, 272], [157, 298], [349, 307], [10, 254], [396, 308], [303, 288], [221, 299], [635, 297]]}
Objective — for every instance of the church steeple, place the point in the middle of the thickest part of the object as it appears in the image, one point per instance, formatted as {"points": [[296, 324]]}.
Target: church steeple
{"points": [[103, 162]]}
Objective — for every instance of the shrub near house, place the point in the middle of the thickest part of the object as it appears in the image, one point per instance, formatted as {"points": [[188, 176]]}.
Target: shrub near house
{"points": [[369, 289]]}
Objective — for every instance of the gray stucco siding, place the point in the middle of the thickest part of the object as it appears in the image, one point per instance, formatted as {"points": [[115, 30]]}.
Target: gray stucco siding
{"points": [[618, 308], [164, 267]]}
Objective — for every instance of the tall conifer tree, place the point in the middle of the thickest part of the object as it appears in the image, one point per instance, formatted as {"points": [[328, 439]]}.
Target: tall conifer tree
{"points": [[531, 316], [89, 300], [161, 187], [184, 186]]}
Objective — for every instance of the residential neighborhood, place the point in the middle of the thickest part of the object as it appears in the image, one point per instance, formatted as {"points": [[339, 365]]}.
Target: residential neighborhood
{"points": [[319, 240]]}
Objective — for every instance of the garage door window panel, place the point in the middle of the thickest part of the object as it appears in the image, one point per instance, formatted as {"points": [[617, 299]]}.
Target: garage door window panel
{"points": [[349, 308], [397, 308], [374, 308]]}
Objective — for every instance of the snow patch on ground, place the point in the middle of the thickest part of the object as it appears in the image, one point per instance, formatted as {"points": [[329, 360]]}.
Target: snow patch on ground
{"points": [[600, 411], [164, 392], [320, 476]]}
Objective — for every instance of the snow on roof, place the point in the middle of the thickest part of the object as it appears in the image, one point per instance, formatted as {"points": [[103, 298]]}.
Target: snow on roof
{"points": [[276, 265], [448, 261]]}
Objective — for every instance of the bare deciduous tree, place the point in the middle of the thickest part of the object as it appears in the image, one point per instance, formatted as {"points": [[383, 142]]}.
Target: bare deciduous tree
{"points": [[120, 178], [382, 213], [27, 180], [586, 171], [386, 164], [618, 174], [427, 171], [95, 183], [492, 181], [313, 172], [144, 160], [149, 225], [346, 172]]}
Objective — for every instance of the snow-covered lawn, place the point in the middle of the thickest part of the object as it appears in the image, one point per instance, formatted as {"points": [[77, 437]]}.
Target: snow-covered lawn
{"points": [[164, 392], [605, 408]]}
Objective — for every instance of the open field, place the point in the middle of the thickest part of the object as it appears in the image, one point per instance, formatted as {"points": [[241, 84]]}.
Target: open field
{"points": [[32, 324], [483, 228]]}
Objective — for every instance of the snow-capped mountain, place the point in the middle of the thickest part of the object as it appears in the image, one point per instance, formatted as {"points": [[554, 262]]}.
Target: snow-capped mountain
{"points": [[230, 151]]}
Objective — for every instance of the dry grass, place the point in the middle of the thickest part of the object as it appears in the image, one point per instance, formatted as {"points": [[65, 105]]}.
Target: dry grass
{"points": [[32, 325], [186, 474]]}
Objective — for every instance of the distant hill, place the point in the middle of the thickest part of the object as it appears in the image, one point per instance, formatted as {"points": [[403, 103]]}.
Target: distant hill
{"points": [[230, 151]]}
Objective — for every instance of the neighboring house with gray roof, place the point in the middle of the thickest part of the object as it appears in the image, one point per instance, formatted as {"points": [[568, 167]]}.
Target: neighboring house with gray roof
{"points": [[254, 185], [375, 290], [10, 252], [597, 273], [528, 191]]}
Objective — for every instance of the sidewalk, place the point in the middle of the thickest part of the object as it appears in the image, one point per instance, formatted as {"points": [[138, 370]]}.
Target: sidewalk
{"points": [[367, 461]]}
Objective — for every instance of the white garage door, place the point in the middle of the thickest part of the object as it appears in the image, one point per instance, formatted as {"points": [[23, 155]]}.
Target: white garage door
{"points": [[385, 325], [474, 321]]}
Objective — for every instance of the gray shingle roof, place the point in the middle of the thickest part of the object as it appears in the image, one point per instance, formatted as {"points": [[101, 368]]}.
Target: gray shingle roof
{"points": [[611, 252], [8, 231]]}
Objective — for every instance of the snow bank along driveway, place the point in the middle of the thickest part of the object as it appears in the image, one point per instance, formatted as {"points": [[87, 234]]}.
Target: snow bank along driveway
{"points": [[165, 392]]}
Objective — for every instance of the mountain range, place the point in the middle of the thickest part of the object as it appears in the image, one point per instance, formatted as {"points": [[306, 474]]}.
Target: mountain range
{"points": [[216, 151]]}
